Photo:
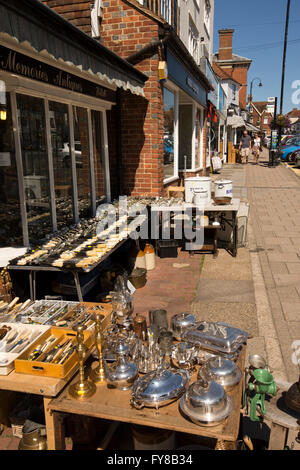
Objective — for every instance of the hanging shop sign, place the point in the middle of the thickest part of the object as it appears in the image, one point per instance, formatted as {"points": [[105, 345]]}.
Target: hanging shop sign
{"points": [[20, 64], [210, 75], [179, 74], [212, 112]]}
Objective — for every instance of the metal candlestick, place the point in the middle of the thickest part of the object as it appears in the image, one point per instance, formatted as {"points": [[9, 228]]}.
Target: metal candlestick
{"points": [[83, 388], [98, 374]]}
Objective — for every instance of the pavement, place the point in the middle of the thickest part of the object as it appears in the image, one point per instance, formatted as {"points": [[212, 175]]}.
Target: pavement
{"points": [[259, 290]]}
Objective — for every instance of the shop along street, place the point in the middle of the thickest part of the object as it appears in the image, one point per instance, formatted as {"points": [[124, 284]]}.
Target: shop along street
{"points": [[149, 228]]}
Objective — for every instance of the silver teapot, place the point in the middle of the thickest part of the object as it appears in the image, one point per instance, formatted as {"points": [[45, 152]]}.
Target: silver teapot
{"points": [[123, 374]]}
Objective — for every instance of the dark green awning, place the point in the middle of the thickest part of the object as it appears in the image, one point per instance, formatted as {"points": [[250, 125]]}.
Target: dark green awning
{"points": [[45, 30]]}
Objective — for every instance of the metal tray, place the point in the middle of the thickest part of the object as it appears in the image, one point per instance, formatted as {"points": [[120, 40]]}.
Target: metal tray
{"points": [[219, 337]]}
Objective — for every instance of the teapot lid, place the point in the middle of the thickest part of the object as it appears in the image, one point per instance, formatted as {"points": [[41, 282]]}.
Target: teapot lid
{"points": [[221, 367]]}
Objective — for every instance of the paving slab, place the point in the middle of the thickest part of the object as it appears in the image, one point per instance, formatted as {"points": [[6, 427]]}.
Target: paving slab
{"points": [[211, 290], [291, 310], [241, 315]]}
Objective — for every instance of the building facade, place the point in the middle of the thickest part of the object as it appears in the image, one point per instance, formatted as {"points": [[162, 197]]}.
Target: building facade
{"points": [[232, 64], [157, 139], [56, 93], [261, 116]]}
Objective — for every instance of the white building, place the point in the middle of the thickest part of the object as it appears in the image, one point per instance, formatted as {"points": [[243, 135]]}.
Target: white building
{"points": [[196, 27]]}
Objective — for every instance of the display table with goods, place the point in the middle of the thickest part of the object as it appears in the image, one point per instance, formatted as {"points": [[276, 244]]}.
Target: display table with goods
{"points": [[40, 359], [217, 214], [184, 377], [79, 249]]}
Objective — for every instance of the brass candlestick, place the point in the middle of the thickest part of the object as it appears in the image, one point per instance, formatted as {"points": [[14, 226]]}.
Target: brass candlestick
{"points": [[97, 375], [83, 388]]}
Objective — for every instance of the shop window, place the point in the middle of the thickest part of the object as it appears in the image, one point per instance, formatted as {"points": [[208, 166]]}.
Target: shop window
{"points": [[185, 135], [97, 127], [31, 117], [10, 215], [193, 41], [61, 156], [197, 140], [81, 136], [207, 10], [169, 126]]}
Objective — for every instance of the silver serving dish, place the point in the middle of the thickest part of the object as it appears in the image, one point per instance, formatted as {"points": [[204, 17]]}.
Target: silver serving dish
{"points": [[206, 403], [181, 322], [159, 388], [123, 374], [184, 356], [216, 337], [222, 371]]}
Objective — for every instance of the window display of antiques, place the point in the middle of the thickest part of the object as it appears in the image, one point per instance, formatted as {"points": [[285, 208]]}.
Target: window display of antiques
{"points": [[80, 246]]}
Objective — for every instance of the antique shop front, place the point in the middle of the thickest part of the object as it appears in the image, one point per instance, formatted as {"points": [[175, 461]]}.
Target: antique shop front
{"points": [[185, 101], [54, 95]]}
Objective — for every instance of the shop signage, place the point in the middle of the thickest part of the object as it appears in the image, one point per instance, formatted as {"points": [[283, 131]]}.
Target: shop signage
{"points": [[180, 75], [20, 64], [192, 85], [210, 75]]}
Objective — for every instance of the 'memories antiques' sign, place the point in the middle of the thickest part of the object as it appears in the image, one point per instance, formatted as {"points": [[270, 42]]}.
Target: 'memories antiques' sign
{"points": [[14, 62]]}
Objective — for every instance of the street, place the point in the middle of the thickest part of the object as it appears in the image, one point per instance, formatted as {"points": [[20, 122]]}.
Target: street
{"points": [[260, 290]]}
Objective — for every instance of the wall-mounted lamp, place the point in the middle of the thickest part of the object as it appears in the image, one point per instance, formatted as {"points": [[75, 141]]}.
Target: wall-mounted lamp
{"points": [[3, 113]]}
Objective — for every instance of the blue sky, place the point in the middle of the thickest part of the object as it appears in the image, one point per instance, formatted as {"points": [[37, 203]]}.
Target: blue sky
{"points": [[258, 24]]}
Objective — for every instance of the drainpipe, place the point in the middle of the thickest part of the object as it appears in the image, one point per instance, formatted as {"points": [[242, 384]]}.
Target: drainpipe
{"points": [[149, 50]]}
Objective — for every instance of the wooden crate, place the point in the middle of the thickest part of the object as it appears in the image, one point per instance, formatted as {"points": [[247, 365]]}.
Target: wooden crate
{"points": [[23, 366], [106, 314]]}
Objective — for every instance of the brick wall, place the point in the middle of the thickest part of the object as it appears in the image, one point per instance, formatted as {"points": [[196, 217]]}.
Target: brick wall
{"points": [[240, 74], [225, 44], [124, 30], [77, 12]]}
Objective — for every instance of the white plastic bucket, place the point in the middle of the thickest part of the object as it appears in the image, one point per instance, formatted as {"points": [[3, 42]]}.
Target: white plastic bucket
{"points": [[152, 439], [194, 183], [223, 188], [200, 197]]}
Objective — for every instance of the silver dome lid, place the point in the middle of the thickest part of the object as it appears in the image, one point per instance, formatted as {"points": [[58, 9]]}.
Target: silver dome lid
{"points": [[160, 387], [206, 403], [222, 371]]}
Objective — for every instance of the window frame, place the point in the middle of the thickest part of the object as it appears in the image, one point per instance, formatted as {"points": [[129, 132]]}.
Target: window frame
{"points": [[27, 87]]}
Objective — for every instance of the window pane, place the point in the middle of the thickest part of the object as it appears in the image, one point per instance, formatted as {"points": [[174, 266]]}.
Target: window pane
{"points": [[185, 134], [197, 138], [169, 109], [98, 157], [60, 139], [10, 216], [31, 115], [81, 136]]}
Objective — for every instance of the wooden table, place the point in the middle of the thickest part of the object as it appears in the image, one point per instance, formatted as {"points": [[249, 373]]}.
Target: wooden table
{"points": [[114, 405], [48, 387]]}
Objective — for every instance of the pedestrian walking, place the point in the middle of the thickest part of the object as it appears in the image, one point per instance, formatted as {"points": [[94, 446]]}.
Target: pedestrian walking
{"points": [[245, 146], [256, 148]]}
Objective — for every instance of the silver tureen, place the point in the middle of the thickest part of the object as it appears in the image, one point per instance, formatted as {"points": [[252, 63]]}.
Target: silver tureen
{"points": [[206, 403], [159, 388]]}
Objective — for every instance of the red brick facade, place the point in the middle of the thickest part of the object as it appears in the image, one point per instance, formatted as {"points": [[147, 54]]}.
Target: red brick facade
{"points": [[136, 161], [77, 12], [225, 49], [233, 65], [260, 114]]}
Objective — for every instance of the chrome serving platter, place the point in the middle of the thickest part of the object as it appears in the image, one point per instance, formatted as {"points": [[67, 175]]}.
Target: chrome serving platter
{"points": [[218, 337]]}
